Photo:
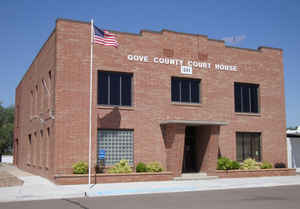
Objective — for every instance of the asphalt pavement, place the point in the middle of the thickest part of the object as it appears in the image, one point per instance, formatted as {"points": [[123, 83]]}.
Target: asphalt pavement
{"points": [[286, 197]]}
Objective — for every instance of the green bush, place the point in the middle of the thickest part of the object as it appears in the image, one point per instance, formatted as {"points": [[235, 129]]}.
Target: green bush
{"points": [[80, 168], [121, 167], [224, 163], [141, 167], [266, 165], [154, 167], [250, 164], [235, 165]]}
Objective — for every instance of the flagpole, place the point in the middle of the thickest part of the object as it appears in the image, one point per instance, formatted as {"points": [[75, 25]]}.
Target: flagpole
{"points": [[91, 100]]}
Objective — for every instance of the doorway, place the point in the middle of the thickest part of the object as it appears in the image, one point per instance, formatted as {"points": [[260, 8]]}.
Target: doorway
{"points": [[189, 155]]}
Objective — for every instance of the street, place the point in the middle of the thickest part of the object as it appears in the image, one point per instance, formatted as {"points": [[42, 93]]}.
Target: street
{"points": [[287, 197]]}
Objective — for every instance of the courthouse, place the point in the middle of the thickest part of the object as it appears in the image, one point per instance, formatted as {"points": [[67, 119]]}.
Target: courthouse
{"points": [[177, 98]]}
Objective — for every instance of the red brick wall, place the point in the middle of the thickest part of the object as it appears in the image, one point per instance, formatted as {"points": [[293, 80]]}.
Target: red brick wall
{"points": [[112, 178], [33, 113], [151, 94], [256, 173], [174, 143], [203, 140], [72, 95], [209, 135]]}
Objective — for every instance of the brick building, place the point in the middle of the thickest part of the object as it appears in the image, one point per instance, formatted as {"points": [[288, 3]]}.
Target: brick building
{"points": [[180, 99]]}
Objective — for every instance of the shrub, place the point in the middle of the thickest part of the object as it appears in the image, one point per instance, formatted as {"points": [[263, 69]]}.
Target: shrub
{"points": [[141, 167], [266, 165], [121, 167], [80, 168], [224, 163], [154, 167], [249, 164], [280, 165], [235, 165]]}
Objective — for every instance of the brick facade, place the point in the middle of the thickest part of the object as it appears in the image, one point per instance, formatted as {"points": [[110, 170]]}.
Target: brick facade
{"points": [[58, 121], [256, 173], [112, 178]]}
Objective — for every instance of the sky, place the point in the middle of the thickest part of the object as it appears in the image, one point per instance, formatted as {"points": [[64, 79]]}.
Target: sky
{"points": [[26, 25]]}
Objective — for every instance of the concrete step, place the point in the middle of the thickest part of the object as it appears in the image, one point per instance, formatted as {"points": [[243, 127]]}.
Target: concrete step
{"points": [[194, 176]]}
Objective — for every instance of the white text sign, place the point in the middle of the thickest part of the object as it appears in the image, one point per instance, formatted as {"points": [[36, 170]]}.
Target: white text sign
{"points": [[186, 69], [181, 62]]}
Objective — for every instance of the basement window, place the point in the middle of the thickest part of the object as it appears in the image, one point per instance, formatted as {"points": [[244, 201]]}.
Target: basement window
{"points": [[248, 146]]}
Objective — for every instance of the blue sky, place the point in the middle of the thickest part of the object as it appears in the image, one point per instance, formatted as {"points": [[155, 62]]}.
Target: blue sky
{"points": [[26, 25]]}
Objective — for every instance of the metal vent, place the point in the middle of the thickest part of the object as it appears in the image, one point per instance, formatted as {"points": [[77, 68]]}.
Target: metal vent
{"points": [[168, 52], [202, 56]]}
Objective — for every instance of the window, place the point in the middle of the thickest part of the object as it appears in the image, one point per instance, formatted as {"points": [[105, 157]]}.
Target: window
{"points": [[46, 90], [18, 115], [118, 145], [47, 148], [48, 132], [34, 149], [49, 89], [50, 75], [42, 98], [248, 146], [32, 104], [185, 90], [36, 99], [246, 97], [29, 139], [114, 88], [29, 153], [41, 148]]}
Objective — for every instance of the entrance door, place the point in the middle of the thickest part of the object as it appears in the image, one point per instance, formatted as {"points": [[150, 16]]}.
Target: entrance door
{"points": [[189, 156]]}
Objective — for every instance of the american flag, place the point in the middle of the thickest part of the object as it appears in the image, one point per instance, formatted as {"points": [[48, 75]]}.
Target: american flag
{"points": [[104, 37]]}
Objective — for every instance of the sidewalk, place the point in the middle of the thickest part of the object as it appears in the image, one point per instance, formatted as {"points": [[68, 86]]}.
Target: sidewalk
{"points": [[38, 188]]}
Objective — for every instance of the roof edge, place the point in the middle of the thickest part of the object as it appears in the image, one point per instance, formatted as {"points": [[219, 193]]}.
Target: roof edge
{"points": [[70, 20], [267, 47], [194, 122], [171, 31]]}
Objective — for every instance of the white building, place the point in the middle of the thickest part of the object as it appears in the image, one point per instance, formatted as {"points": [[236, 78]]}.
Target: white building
{"points": [[293, 148]]}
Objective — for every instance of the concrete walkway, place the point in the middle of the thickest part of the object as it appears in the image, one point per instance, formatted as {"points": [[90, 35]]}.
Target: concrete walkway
{"points": [[38, 188]]}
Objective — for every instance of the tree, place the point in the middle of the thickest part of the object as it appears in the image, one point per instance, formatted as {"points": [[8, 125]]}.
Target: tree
{"points": [[1, 115], [6, 129]]}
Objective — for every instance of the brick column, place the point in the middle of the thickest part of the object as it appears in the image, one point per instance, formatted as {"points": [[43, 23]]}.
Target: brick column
{"points": [[213, 150], [174, 142], [208, 142]]}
